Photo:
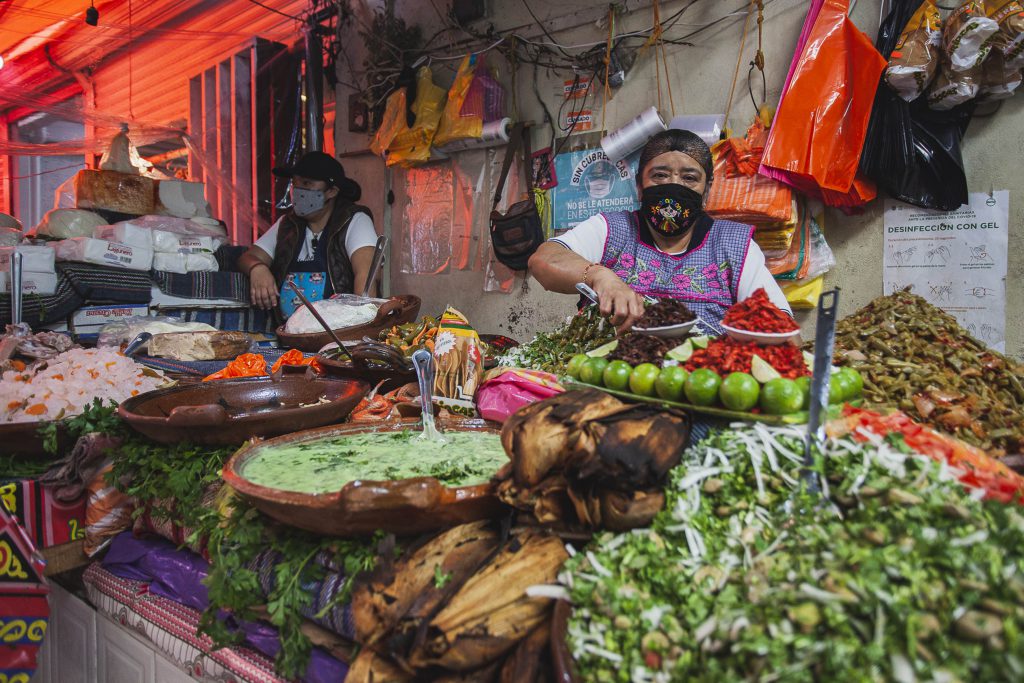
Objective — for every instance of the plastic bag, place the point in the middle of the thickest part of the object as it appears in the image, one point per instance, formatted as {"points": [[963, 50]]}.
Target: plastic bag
{"points": [[392, 123], [1009, 39], [738, 193], [9, 222], [965, 37], [64, 195], [506, 390], [821, 159], [200, 227], [60, 224], [998, 81], [804, 294], [108, 512], [411, 146], [456, 124], [458, 357], [914, 62], [912, 151], [246, 365], [122, 331], [10, 237]]}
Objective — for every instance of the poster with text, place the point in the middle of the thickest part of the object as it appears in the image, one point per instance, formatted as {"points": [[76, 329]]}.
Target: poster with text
{"points": [[589, 183], [955, 260]]}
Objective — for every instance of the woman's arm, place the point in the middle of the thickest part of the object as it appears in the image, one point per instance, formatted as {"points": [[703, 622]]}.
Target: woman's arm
{"points": [[263, 291], [558, 269], [362, 259]]}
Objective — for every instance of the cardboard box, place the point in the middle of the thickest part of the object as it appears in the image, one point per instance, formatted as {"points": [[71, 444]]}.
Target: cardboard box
{"points": [[41, 284]]}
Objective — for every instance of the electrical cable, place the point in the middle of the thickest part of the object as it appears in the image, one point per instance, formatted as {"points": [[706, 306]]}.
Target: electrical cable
{"points": [[544, 29], [276, 11]]}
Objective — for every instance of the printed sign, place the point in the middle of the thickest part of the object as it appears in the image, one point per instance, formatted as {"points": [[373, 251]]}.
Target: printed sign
{"points": [[955, 260], [576, 88], [589, 183], [578, 121]]}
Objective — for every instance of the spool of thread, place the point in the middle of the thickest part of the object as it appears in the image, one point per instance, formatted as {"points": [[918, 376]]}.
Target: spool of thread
{"points": [[621, 143], [494, 133]]}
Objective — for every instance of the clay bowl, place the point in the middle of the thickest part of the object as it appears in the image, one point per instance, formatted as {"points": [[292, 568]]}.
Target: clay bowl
{"points": [[23, 438], [371, 371], [395, 311], [227, 412], [360, 508]]}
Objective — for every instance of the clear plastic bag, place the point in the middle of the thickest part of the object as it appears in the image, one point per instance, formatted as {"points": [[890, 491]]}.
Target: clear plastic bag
{"points": [[60, 224], [123, 331], [914, 62], [425, 203]]}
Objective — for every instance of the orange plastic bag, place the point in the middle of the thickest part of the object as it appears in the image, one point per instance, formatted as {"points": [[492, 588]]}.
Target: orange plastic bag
{"points": [[816, 140], [738, 192], [292, 358], [246, 365], [392, 123]]}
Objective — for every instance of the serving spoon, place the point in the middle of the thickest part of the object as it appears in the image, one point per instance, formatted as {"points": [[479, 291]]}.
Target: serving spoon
{"points": [[423, 361]]}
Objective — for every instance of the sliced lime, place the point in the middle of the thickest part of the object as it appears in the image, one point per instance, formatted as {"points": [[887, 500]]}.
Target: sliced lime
{"points": [[604, 349]]}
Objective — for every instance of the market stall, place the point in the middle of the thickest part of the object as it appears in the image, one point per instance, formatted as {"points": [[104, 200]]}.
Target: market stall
{"points": [[240, 449]]}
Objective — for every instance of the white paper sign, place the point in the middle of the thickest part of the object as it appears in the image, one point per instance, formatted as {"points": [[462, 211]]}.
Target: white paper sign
{"points": [[955, 260]]}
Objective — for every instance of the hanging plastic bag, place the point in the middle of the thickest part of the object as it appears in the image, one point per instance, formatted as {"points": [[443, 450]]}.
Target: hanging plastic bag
{"points": [[804, 294], [738, 193], [912, 151], [1009, 39], [821, 158], [965, 37], [392, 123], [411, 146], [914, 62], [998, 81], [474, 98]]}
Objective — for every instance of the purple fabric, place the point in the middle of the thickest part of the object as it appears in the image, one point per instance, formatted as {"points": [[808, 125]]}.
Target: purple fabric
{"points": [[706, 278], [177, 574]]}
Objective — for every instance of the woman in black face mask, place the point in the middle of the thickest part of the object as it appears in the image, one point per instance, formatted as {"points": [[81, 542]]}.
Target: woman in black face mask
{"points": [[324, 243], [668, 249]]}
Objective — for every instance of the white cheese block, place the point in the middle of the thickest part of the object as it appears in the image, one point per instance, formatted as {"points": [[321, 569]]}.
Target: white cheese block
{"points": [[172, 243], [184, 263], [125, 233], [91, 250], [43, 284], [181, 198], [37, 259]]}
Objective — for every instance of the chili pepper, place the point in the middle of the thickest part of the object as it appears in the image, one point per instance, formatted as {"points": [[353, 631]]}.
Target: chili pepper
{"points": [[757, 313]]}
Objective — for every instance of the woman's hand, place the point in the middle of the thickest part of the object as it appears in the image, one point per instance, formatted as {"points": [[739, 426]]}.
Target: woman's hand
{"points": [[262, 287], [617, 299]]}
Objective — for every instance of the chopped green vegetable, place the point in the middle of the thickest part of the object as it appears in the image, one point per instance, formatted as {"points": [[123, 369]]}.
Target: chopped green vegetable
{"points": [[441, 579]]}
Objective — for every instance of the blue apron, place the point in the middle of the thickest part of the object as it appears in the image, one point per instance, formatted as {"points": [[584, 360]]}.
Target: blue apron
{"points": [[310, 276]]}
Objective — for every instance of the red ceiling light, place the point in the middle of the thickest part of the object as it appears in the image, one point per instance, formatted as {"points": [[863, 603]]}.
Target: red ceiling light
{"points": [[92, 15]]}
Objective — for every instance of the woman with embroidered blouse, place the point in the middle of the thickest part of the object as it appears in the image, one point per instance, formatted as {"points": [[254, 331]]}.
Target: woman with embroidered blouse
{"points": [[669, 248]]}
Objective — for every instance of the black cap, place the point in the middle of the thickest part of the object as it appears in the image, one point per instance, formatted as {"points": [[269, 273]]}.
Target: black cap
{"points": [[321, 166]]}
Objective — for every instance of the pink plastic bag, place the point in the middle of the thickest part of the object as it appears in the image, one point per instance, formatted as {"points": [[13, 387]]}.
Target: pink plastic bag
{"points": [[506, 390]]}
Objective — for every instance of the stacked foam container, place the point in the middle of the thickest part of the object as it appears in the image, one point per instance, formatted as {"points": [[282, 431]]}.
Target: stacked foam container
{"points": [[38, 274]]}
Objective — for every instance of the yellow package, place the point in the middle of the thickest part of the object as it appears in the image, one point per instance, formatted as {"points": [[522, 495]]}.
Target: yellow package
{"points": [[454, 126], [804, 294], [458, 357], [411, 146]]}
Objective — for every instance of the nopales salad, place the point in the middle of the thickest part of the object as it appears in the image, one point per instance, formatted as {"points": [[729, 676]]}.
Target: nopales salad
{"points": [[902, 574]]}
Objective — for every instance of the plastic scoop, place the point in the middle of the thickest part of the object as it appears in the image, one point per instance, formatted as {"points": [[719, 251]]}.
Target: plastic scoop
{"points": [[423, 362]]}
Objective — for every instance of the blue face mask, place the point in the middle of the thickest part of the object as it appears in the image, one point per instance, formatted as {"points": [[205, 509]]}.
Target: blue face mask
{"points": [[307, 202]]}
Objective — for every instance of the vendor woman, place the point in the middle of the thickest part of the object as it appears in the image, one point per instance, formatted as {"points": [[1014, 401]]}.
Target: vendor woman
{"points": [[324, 243], [669, 248]]}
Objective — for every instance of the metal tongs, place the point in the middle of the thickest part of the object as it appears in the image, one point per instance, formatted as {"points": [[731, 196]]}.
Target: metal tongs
{"points": [[588, 292], [423, 361]]}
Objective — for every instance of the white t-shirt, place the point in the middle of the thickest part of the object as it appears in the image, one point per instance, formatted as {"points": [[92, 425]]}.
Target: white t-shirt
{"points": [[360, 234], [588, 239]]}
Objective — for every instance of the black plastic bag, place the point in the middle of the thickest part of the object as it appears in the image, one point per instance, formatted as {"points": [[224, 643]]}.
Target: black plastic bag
{"points": [[912, 152]]}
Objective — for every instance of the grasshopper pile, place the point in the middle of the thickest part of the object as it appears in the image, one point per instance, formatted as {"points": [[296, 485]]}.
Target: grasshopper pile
{"points": [[915, 357], [901, 573]]}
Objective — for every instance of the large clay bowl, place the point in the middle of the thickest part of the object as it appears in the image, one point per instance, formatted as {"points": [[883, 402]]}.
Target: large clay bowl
{"points": [[23, 438], [227, 412], [360, 508], [395, 311], [371, 372]]}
